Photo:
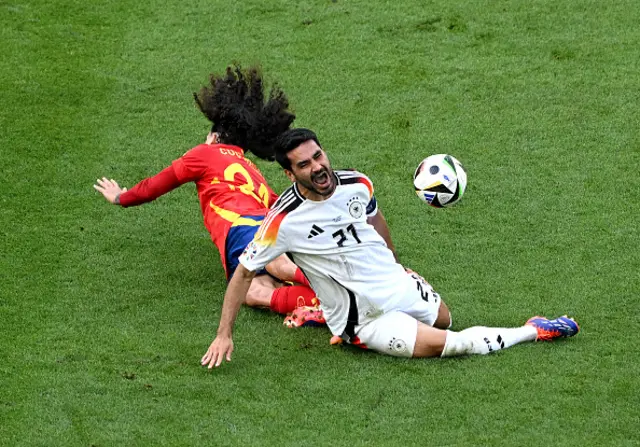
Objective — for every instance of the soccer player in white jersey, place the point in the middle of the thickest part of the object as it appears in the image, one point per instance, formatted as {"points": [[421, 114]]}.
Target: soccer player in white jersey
{"points": [[329, 223]]}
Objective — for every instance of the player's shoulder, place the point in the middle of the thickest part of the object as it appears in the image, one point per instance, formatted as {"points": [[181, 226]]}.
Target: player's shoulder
{"points": [[347, 176], [201, 148], [350, 177], [288, 201], [198, 151]]}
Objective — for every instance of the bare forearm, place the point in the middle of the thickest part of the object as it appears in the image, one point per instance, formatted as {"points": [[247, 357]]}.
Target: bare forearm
{"points": [[233, 299], [222, 346]]}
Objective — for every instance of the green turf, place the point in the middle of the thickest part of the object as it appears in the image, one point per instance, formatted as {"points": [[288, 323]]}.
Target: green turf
{"points": [[105, 312]]}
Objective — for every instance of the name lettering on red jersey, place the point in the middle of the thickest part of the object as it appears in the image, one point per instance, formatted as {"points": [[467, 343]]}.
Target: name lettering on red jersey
{"points": [[234, 153]]}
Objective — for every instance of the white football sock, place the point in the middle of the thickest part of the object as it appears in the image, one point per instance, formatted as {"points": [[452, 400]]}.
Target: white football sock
{"points": [[483, 340]]}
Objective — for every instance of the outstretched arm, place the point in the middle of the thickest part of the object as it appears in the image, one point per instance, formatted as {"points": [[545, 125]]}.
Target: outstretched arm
{"points": [[222, 346], [147, 190]]}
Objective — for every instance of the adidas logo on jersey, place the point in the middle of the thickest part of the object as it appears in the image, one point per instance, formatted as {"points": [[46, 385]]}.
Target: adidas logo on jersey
{"points": [[315, 230]]}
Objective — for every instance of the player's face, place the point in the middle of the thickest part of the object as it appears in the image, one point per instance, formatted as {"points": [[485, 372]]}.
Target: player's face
{"points": [[310, 167]]}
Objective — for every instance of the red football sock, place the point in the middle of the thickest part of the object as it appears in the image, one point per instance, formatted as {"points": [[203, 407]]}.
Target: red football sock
{"points": [[299, 277], [285, 299]]}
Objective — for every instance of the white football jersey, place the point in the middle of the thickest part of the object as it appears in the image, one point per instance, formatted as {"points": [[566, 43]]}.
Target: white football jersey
{"points": [[346, 261]]}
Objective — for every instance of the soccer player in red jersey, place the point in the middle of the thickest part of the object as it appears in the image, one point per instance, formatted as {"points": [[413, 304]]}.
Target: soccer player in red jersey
{"points": [[234, 196]]}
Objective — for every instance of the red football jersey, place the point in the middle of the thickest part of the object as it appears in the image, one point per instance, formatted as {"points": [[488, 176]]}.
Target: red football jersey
{"points": [[229, 187]]}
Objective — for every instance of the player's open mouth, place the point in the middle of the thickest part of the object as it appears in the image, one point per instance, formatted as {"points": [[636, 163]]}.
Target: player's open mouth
{"points": [[322, 179]]}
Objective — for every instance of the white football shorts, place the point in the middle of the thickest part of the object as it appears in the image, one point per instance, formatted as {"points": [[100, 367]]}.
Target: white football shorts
{"points": [[420, 301], [395, 331]]}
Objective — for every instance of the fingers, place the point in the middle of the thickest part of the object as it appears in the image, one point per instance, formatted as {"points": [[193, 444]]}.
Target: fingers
{"points": [[109, 188], [215, 354], [208, 358], [99, 186], [214, 360], [107, 183]]}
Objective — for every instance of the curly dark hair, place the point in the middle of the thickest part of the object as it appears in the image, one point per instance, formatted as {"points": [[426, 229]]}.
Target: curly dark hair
{"points": [[235, 104]]}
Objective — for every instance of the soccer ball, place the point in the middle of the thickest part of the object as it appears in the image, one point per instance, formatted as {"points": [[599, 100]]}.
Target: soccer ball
{"points": [[440, 180]]}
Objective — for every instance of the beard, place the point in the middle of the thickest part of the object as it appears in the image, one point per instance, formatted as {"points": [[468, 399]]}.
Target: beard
{"points": [[322, 183]]}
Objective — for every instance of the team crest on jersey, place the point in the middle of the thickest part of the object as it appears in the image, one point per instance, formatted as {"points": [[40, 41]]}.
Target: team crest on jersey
{"points": [[356, 209], [398, 345]]}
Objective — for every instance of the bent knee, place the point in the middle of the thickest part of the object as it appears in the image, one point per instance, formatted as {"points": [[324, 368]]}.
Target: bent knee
{"points": [[444, 317], [430, 342], [259, 294]]}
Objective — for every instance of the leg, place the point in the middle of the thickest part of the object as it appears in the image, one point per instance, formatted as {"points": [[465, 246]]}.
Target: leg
{"points": [[261, 291], [399, 334], [430, 341], [267, 293], [484, 340], [444, 317], [282, 268], [433, 342]]}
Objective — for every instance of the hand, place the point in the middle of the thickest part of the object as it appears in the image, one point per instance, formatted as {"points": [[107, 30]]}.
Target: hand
{"points": [[109, 189], [220, 348]]}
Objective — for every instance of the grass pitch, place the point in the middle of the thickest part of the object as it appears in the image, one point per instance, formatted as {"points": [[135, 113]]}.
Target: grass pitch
{"points": [[105, 312]]}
